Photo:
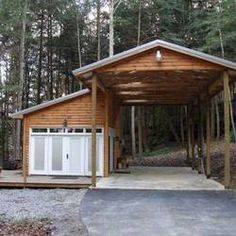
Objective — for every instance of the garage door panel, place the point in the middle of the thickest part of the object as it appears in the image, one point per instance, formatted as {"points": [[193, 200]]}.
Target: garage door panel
{"points": [[57, 154], [76, 157], [39, 161], [99, 150]]}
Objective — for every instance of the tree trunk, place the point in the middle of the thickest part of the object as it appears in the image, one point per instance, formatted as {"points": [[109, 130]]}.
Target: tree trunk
{"points": [[139, 22], [140, 138], [78, 41], [145, 128], [133, 131], [217, 118], [39, 80], [111, 29], [212, 119], [17, 149], [220, 33], [50, 69], [182, 112], [173, 131], [98, 30], [232, 117]]}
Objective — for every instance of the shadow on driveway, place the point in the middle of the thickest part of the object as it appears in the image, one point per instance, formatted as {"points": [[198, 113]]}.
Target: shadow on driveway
{"points": [[162, 213]]}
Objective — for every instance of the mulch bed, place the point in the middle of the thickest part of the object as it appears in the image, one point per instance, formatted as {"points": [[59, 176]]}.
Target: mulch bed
{"points": [[177, 157], [25, 228], [217, 161]]}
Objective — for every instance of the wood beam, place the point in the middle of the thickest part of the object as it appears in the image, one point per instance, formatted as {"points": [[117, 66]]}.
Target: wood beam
{"points": [[94, 121], [100, 85], [106, 136], [215, 86], [226, 130], [208, 139], [154, 102]]}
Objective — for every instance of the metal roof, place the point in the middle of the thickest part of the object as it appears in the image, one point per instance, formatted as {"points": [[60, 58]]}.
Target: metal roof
{"points": [[20, 114], [150, 45]]}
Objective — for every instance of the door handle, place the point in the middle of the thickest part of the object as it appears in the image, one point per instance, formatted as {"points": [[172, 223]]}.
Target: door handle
{"points": [[67, 156]]}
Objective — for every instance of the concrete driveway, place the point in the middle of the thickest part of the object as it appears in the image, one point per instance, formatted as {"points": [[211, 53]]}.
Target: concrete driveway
{"points": [[159, 213], [159, 178]]}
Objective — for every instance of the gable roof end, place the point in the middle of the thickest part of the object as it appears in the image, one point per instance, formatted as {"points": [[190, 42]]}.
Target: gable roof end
{"points": [[150, 45], [20, 114]]}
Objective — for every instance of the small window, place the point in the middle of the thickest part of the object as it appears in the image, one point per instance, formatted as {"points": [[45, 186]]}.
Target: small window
{"points": [[39, 130], [99, 130], [57, 130], [69, 130], [79, 130]]}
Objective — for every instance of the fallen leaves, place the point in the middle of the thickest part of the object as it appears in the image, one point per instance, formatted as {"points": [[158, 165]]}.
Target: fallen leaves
{"points": [[25, 227]]}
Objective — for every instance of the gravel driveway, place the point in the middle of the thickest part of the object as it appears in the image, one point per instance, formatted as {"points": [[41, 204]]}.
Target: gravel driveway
{"points": [[60, 206]]}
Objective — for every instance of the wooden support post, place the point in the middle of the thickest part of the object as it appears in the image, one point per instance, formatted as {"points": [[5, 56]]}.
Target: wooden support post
{"points": [[226, 130], [94, 138], [106, 136], [208, 139], [117, 133], [188, 141], [24, 161]]}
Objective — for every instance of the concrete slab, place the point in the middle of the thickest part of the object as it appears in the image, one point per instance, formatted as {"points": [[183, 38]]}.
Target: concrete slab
{"points": [[159, 178], [162, 213]]}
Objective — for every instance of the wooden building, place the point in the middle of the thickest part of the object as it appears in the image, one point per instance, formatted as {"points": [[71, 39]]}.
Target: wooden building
{"points": [[79, 134]]}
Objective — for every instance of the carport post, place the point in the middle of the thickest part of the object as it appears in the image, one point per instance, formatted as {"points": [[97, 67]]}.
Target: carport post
{"points": [[226, 130], [208, 139], [94, 106]]}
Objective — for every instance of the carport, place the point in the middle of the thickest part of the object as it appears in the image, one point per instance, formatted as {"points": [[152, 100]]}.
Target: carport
{"points": [[159, 73]]}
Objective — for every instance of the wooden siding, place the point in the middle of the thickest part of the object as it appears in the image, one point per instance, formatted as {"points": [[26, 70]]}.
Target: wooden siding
{"points": [[77, 112], [170, 61]]}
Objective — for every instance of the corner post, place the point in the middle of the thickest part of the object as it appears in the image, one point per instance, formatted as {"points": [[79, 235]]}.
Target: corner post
{"points": [[226, 130], [208, 140], [106, 136], [94, 121]]}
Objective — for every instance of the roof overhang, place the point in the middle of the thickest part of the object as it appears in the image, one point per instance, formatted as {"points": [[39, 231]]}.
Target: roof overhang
{"points": [[20, 114], [145, 47], [137, 77]]}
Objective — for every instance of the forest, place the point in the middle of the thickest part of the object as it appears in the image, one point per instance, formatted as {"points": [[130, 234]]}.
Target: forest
{"points": [[42, 41]]}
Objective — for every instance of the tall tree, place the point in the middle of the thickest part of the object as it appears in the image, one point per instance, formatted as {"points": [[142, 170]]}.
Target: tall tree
{"points": [[98, 30], [21, 81]]}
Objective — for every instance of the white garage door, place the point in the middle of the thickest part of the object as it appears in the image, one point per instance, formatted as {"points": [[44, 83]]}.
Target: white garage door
{"points": [[64, 151]]}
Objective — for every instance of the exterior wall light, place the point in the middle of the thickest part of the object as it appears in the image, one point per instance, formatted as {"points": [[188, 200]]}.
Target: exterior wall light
{"points": [[65, 123], [158, 56]]}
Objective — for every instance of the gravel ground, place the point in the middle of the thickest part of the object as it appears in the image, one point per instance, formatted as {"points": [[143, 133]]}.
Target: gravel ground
{"points": [[60, 206]]}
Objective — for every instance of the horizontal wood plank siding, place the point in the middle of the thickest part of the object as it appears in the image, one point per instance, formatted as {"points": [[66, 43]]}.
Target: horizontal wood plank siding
{"points": [[170, 61]]}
